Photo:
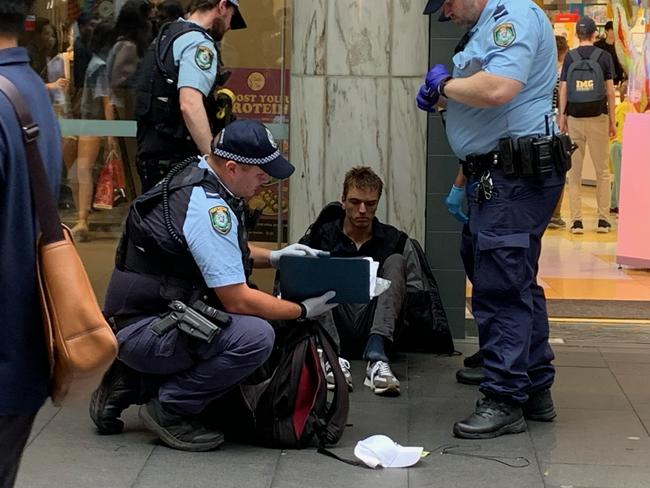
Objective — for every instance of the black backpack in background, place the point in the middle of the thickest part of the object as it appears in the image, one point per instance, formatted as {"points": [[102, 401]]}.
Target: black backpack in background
{"points": [[284, 404], [586, 94]]}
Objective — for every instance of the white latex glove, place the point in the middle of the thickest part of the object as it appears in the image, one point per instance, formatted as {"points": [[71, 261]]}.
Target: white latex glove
{"points": [[292, 250], [318, 305]]}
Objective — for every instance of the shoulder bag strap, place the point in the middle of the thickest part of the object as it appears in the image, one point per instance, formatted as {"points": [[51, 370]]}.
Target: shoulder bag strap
{"points": [[42, 196]]}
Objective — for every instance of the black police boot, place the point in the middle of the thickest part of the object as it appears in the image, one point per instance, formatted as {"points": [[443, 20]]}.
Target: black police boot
{"points": [[474, 361], [539, 406], [491, 418], [178, 432], [470, 376], [118, 390]]}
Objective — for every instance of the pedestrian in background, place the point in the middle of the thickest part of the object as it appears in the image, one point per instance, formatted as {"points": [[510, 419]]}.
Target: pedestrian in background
{"points": [[586, 112], [24, 368]]}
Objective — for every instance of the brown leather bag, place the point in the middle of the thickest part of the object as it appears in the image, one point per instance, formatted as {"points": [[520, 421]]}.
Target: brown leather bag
{"points": [[80, 342]]}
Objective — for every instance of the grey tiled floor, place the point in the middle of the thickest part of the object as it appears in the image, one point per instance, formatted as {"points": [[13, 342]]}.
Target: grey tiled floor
{"points": [[599, 440]]}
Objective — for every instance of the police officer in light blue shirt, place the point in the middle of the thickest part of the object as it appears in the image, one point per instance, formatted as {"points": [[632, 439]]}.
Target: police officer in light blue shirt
{"points": [[499, 102], [186, 240], [175, 91]]}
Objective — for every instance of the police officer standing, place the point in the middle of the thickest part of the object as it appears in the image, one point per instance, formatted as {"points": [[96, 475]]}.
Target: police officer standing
{"points": [[179, 297], [179, 74], [499, 124]]}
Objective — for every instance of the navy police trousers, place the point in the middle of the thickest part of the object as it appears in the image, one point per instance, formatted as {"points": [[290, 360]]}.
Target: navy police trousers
{"points": [[197, 372], [500, 248]]}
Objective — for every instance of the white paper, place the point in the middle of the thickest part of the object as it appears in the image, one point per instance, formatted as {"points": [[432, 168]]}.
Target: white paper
{"points": [[377, 285]]}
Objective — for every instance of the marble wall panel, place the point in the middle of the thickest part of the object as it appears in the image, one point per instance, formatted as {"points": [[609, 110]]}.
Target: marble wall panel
{"points": [[406, 185], [358, 37], [356, 131], [309, 39], [307, 152], [410, 39]]}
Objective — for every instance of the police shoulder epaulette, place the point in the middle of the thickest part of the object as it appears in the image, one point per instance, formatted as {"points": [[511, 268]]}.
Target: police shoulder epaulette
{"points": [[500, 12]]}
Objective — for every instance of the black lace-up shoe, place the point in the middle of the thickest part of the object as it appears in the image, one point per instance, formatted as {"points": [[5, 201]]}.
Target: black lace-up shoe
{"points": [[491, 418], [539, 406], [470, 376], [178, 432], [118, 390], [474, 361]]}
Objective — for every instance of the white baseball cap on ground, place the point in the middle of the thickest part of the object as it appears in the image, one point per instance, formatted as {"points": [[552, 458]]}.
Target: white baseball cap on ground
{"points": [[381, 450]]}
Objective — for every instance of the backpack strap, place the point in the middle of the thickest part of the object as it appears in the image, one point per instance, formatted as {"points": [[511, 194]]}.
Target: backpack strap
{"points": [[337, 413], [352, 462], [595, 54], [575, 55]]}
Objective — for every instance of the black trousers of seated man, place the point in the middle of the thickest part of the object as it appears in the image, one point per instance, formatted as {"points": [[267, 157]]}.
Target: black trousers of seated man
{"points": [[351, 324]]}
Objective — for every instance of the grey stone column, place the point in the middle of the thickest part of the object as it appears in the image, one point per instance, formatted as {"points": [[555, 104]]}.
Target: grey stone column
{"points": [[355, 69]]}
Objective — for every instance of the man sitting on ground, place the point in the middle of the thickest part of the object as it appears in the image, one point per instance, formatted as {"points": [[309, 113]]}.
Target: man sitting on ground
{"points": [[366, 329]]}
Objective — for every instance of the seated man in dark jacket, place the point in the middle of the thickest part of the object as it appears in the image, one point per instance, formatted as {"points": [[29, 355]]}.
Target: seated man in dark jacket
{"points": [[366, 329]]}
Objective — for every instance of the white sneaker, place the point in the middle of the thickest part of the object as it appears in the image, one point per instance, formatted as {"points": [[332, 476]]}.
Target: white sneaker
{"points": [[381, 380], [329, 374]]}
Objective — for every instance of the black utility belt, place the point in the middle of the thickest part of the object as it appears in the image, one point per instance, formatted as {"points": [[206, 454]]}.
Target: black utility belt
{"points": [[524, 158]]}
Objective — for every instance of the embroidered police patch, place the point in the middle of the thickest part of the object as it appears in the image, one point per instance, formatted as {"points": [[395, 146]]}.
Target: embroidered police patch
{"points": [[203, 57], [504, 34], [220, 219]]}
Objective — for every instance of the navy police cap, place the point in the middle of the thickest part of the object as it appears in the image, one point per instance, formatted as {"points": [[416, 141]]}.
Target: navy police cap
{"points": [[248, 141], [432, 7], [237, 21]]}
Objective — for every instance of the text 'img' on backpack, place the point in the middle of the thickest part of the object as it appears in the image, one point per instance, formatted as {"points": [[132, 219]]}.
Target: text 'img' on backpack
{"points": [[586, 94]]}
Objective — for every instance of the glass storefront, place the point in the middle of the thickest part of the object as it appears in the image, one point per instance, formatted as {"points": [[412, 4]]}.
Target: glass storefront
{"points": [[88, 53]]}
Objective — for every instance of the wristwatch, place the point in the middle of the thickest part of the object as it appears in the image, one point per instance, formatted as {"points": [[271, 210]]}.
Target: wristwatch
{"points": [[303, 312], [441, 87]]}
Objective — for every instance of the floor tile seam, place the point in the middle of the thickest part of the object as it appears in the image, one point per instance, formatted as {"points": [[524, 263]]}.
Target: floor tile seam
{"points": [[536, 455], [428, 397], [403, 401], [604, 410], [40, 431], [596, 464], [598, 345], [144, 465], [579, 366], [276, 466], [629, 400]]}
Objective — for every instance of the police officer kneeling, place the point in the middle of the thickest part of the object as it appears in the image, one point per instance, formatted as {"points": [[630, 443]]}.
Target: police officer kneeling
{"points": [[179, 297]]}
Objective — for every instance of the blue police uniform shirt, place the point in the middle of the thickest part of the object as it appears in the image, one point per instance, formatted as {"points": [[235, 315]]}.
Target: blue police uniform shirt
{"points": [[512, 39], [210, 229], [24, 369], [196, 57]]}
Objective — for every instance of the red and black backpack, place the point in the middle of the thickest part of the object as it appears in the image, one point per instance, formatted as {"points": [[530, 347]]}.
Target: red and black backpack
{"points": [[285, 404]]}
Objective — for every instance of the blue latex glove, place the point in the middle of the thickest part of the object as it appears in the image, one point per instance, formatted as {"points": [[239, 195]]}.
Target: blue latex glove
{"points": [[426, 102], [436, 76], [454, 202]]}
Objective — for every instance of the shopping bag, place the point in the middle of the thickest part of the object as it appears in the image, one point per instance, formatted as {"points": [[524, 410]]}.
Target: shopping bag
{"points": [[104, 190]]}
